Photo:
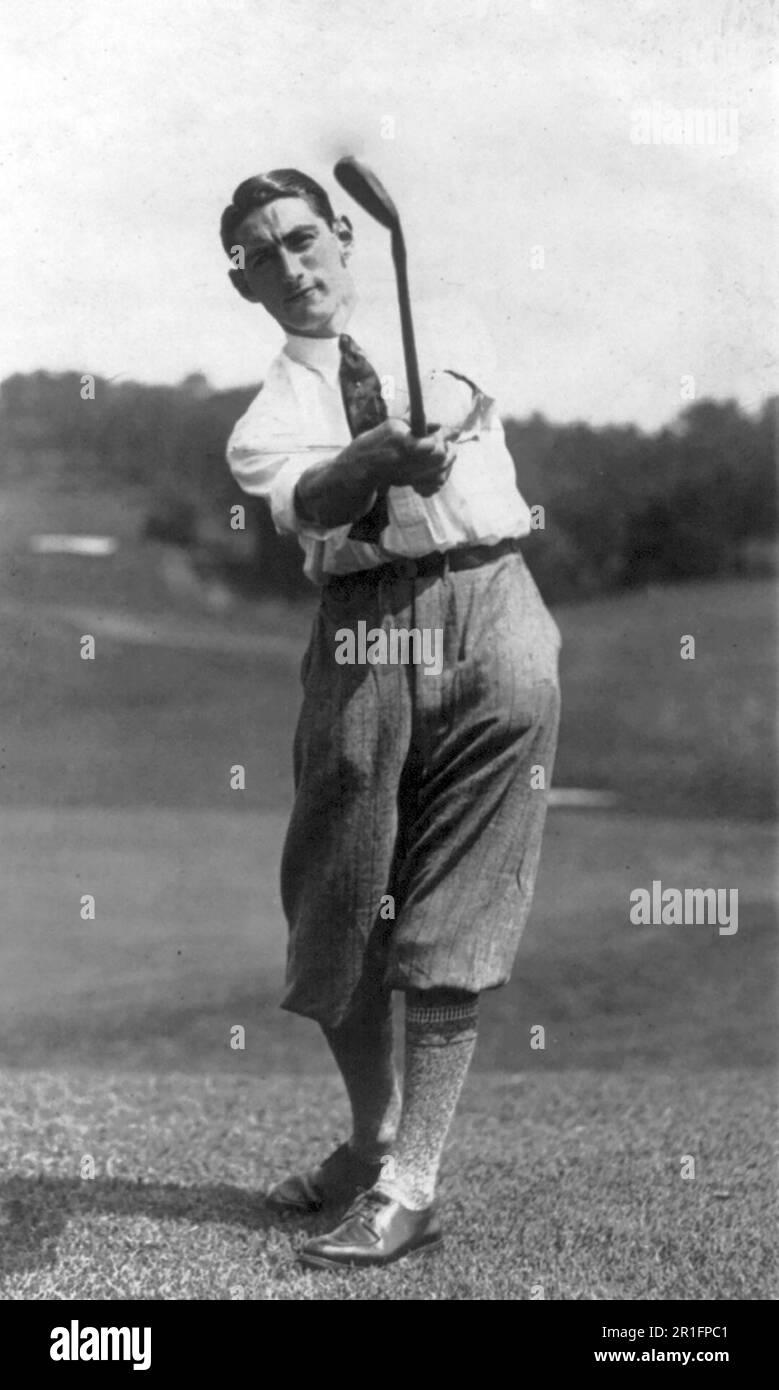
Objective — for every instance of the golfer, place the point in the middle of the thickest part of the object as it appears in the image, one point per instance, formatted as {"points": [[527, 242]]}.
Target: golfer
{"points": [[420, 794]]}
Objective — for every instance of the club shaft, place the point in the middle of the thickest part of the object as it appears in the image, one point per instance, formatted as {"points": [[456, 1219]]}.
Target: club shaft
{"points": [[417, 409]]}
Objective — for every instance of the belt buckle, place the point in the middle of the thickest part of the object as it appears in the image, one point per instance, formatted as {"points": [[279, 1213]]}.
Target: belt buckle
{"points": [[400, 566], [407, 568]]}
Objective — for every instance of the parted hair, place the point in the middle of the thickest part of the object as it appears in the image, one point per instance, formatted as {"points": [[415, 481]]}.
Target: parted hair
{"points": [[265, 188]]}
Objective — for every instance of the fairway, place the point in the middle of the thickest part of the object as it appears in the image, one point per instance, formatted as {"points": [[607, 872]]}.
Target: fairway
{"points": [[189, 940], [174, 698], [564, 1166]]}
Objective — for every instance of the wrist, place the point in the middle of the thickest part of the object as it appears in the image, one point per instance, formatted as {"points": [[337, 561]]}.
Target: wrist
{"points": [[361, 470]]}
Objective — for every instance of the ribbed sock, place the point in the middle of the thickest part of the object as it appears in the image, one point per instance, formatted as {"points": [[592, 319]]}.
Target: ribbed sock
{"points": [[441, 1028], [362, 1048]]}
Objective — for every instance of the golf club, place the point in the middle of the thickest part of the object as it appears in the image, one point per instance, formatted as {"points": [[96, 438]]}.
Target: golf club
{"points": [[361, 183]]}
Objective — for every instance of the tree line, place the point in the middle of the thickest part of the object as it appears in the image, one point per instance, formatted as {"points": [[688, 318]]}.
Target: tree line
{"points": [[615, 506]]}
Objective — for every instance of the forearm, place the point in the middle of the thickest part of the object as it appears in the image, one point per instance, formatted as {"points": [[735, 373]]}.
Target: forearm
{"points": [[338, 490]]}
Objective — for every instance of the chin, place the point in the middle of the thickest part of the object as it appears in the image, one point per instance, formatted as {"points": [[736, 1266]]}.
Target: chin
{"points": [[311, 323]]}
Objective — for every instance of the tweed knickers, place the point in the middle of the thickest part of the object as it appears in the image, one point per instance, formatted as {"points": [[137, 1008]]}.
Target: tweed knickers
{"points": [[419, 785]]}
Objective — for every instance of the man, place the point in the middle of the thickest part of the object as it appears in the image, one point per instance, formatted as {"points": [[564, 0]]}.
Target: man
{"points": [[420, 792]]}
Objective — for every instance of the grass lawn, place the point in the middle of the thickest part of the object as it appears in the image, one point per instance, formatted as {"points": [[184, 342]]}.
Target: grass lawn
{"points": [[564, 1165], [571, 1181], [189, 939], [173, 700]]}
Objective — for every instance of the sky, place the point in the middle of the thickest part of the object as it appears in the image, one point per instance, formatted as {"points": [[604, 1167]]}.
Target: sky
{"points": [[616, 270]]}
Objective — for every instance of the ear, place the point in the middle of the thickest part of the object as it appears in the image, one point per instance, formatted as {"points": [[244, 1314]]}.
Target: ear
{"points": [[239, 280], [345, 233]]}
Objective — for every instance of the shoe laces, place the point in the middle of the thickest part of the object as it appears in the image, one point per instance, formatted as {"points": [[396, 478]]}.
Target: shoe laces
{"points": [[367, 1205]]}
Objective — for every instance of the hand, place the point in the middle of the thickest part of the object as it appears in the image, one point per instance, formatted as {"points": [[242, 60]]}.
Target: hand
{"points": [[396, 458], [435, 464], [343, 489]]}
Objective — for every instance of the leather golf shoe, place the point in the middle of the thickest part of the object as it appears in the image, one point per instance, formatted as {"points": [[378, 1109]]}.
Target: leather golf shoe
{"points": [[337, 1181], [376, 1230]]}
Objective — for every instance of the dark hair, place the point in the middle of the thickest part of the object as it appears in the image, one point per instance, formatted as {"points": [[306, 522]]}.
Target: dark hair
{"points": [[265, 188]]}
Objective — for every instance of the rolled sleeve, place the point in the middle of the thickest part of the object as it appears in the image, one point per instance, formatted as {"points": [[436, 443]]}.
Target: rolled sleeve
{"points": [[273, 475], [281, 497]]}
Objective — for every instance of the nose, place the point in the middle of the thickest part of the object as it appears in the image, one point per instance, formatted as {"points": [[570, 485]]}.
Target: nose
{"points": [[291, 270]]}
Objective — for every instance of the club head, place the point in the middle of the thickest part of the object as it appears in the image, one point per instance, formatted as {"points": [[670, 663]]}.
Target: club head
{"points": [[362, 184]]}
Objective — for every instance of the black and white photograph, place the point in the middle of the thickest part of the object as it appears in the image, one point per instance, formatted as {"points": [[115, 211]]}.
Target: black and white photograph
{"points": [[388, 563]]}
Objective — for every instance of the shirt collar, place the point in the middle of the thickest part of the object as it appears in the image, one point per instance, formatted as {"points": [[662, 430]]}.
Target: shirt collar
{"points": [[321, 355]]}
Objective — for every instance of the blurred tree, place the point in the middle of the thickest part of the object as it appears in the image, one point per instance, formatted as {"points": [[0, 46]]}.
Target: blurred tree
{"points": [[622, 507]]}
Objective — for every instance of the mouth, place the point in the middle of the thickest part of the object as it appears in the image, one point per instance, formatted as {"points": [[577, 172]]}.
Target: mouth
{"points": [[300, 295]]}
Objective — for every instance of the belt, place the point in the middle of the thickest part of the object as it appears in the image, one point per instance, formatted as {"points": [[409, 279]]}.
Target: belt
{"points": [[437, 562]]}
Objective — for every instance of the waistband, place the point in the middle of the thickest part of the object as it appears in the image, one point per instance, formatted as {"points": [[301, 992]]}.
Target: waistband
{"points": [[437, 563]]}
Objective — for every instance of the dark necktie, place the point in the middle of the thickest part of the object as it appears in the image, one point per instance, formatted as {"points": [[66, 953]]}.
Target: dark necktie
{"points": [[365, 409]]}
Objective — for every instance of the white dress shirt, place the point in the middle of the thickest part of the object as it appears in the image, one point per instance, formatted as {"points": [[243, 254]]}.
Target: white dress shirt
{"points": [[298, 419]]}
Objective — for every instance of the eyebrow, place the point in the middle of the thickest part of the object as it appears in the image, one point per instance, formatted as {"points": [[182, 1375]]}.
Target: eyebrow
{"points": [[258, 242]]}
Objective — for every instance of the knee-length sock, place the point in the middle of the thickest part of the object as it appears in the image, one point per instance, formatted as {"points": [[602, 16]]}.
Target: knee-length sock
{"points": [[362, 1048], [440, 1031]]}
